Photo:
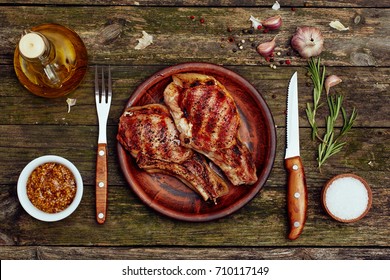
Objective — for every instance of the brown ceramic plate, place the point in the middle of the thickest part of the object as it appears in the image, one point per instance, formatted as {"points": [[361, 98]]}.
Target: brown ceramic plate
{"points": [[170, 196]]}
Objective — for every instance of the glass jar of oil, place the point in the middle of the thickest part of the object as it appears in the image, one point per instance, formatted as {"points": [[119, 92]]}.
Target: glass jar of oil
{"points": [[50, 60]]}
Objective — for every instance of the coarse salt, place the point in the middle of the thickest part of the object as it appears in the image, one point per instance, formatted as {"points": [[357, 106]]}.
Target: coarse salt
{"points": [[347, 198]]}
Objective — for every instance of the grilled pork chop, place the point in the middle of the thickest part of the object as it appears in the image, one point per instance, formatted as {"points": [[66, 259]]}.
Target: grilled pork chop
{"points": [[207, 118], [150, 135]]}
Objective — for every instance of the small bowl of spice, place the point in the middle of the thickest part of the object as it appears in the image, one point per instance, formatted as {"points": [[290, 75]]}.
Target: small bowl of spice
{"points": [[50, 188], [347, 198]]}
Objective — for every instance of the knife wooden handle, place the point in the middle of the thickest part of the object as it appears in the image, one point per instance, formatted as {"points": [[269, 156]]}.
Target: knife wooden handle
{"points": [[296, 196], [101, 183]]}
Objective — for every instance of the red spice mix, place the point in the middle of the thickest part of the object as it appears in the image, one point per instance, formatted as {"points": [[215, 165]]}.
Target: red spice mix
{"points": [[51, 187]]}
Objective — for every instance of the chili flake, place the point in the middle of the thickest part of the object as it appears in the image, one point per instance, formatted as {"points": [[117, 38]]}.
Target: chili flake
{"points": [[51, 187]]}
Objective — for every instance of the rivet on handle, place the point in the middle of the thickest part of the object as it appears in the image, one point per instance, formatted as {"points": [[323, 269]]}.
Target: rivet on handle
{"points": [[297, 224], [101, 153], [101, 184], [295, 167], [100, 215]]}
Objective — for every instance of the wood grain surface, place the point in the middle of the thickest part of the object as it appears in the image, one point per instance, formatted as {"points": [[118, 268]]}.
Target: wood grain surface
{"points": [[31, 126]]}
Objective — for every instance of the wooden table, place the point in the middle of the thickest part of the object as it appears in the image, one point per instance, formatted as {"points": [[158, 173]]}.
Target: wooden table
{"points": [[31, 126]]}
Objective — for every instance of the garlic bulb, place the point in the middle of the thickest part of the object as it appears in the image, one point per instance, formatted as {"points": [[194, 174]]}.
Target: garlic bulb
{"points": [[308, 41], [331, 81]]}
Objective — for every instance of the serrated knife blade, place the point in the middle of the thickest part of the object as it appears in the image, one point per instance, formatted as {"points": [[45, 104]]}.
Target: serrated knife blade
{"points": [[292, 149], [296, 182]]}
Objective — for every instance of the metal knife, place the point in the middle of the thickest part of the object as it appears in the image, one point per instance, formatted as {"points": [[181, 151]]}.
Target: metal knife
{"points": [[296, 188]]}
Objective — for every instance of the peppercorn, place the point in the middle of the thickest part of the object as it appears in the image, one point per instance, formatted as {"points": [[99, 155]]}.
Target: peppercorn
{"points": [[288, 62], [201, 20]]}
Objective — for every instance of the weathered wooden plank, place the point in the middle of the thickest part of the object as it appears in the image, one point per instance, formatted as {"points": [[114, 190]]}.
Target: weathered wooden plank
{"points": [[196, 253], [364, 88], [177, 38], [367, 151], [237, 3], [131, 223]]}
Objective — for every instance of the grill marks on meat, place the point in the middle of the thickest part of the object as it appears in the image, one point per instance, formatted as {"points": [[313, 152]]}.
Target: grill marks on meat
{"points": [[149, 130], [208, 121], [149, 134], [210, 131]]}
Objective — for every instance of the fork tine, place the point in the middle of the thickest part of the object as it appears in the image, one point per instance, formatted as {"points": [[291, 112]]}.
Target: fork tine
{"points": [[109, 84], [96, 82], [103, 97]]}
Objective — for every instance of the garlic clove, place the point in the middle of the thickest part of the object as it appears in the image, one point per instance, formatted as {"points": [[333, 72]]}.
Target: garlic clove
{"points": [[331, 81], [272, 23], [266, 49], [308, 41]]}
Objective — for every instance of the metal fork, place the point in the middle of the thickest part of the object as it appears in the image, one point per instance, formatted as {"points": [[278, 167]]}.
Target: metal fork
{"points": [[103, 103]]}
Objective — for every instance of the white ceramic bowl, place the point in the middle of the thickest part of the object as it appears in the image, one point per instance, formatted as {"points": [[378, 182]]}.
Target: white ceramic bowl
{"points": [[27, 204]]}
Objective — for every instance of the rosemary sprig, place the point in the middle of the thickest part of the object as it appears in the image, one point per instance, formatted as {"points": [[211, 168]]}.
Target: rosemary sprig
{"points": [[329, 143], [318, 81]]}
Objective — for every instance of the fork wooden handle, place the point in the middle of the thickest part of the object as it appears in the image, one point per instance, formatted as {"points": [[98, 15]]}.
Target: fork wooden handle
{"points": [[101, 183]]}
